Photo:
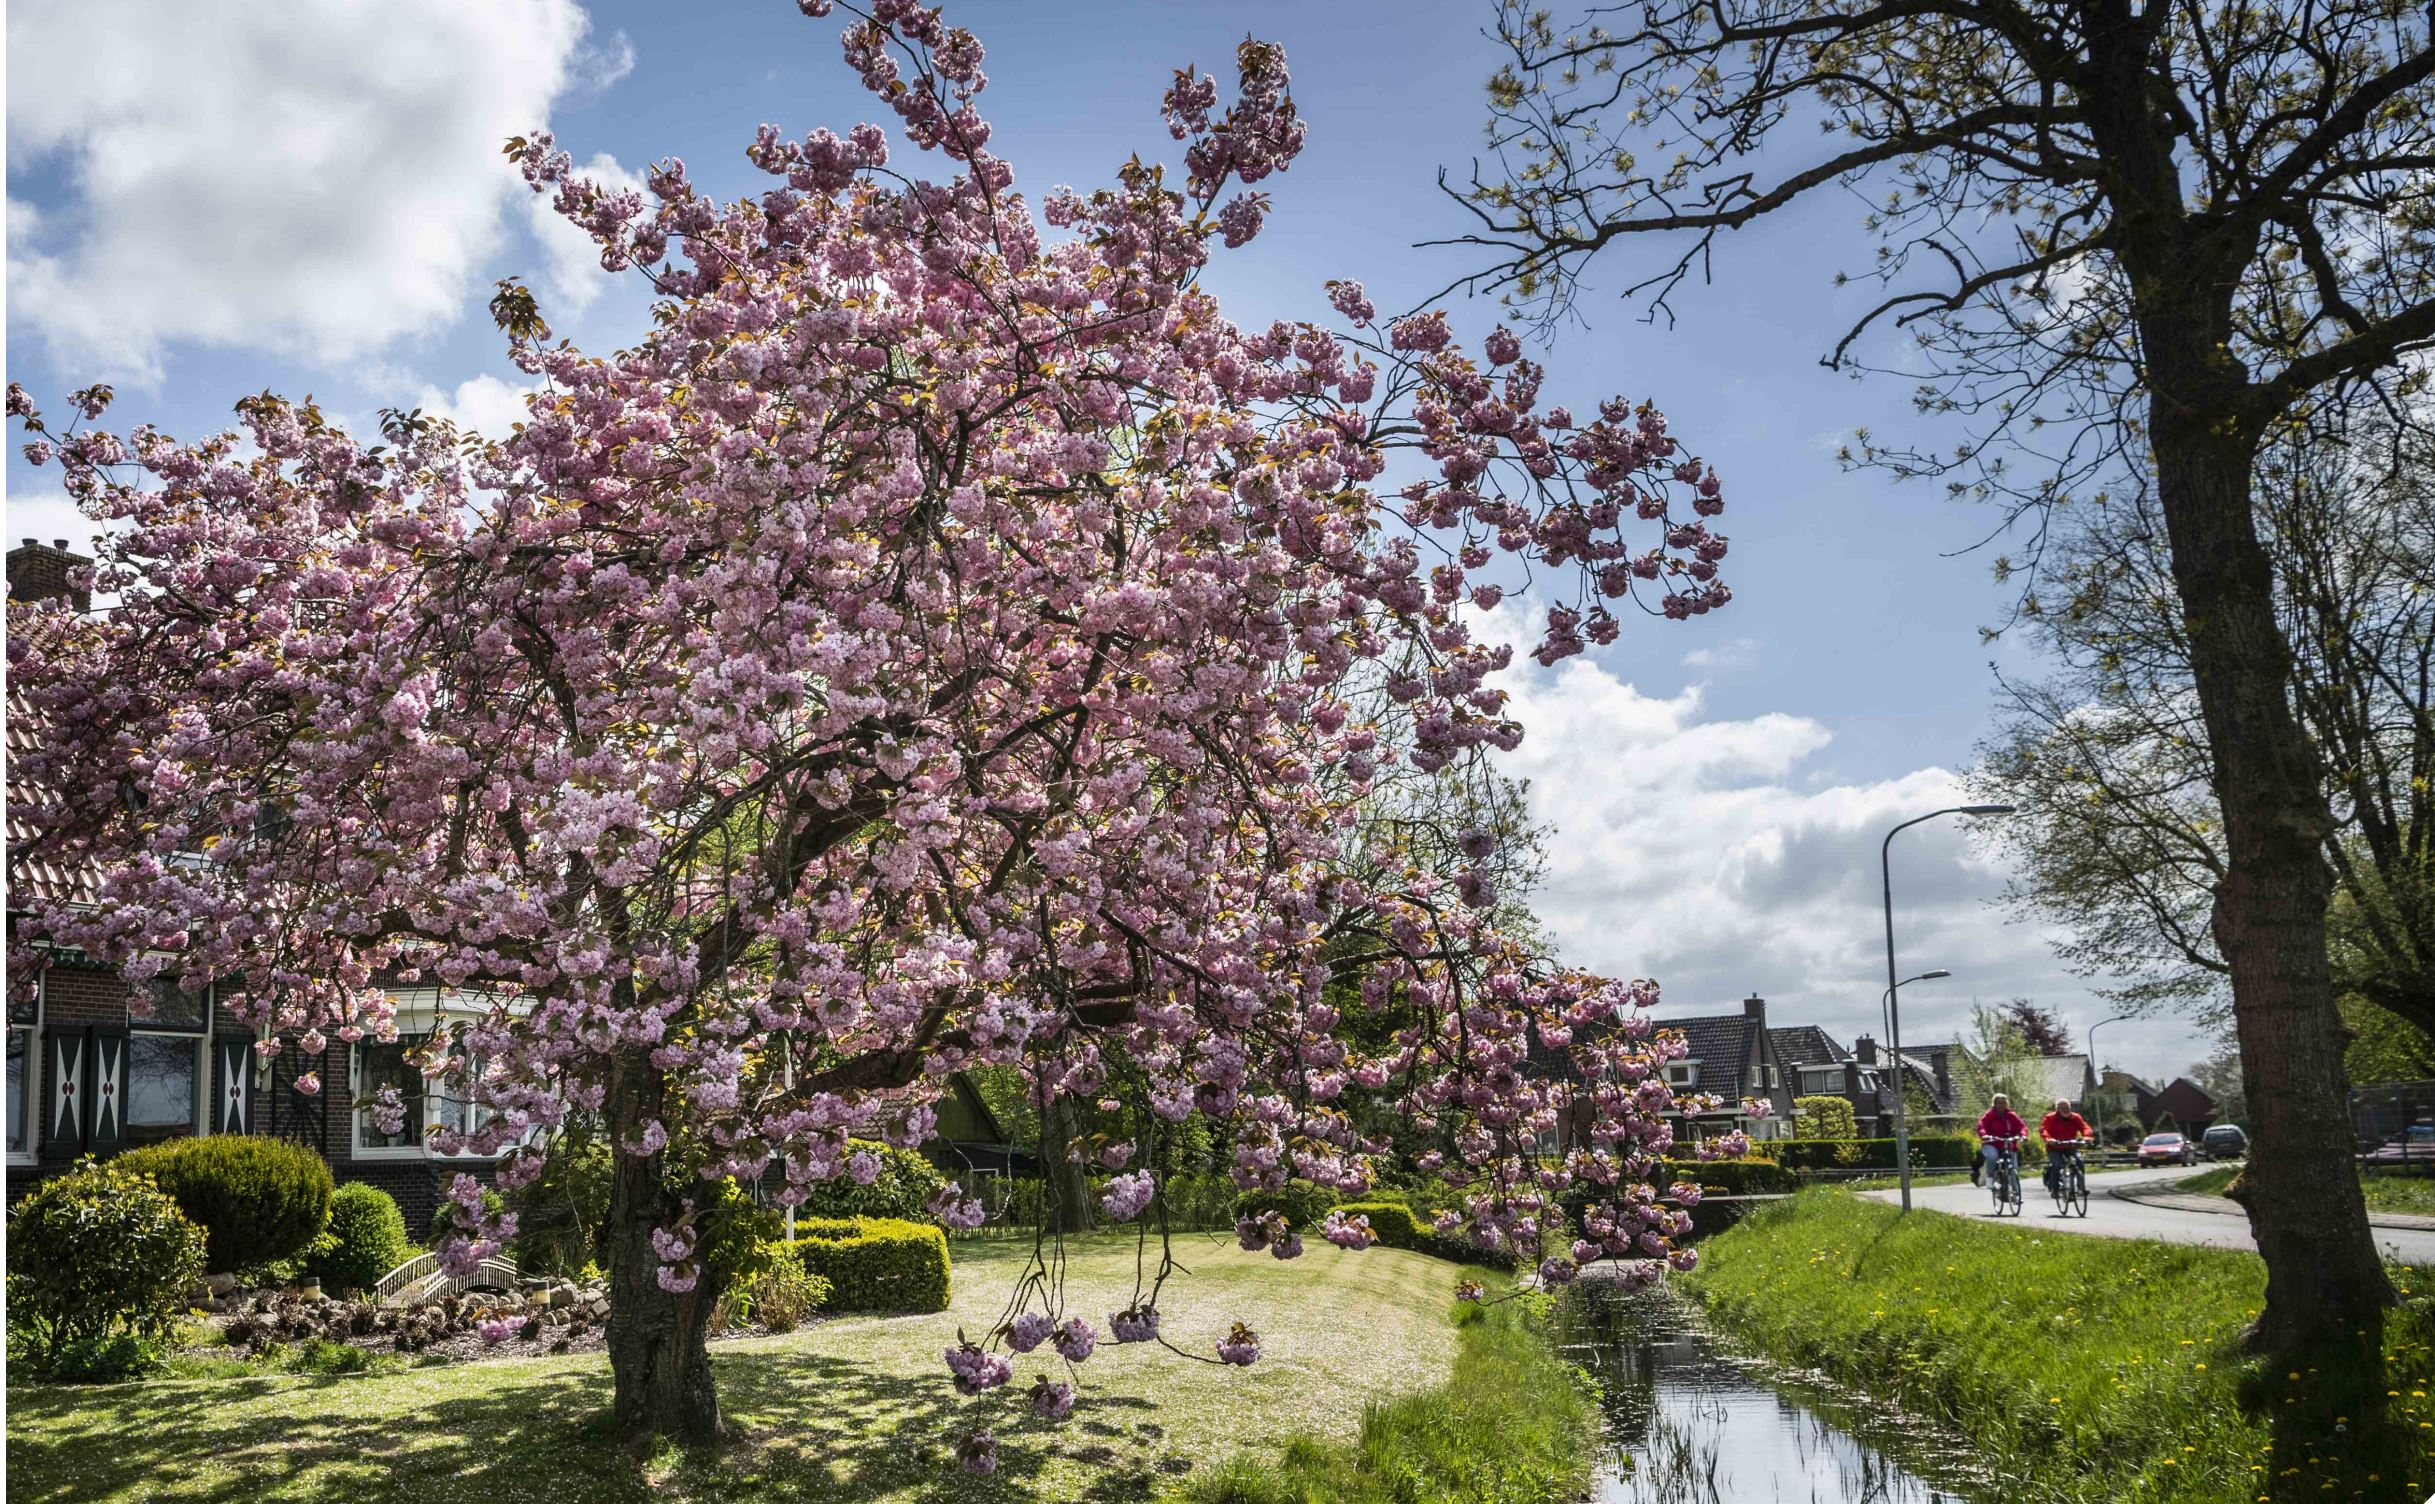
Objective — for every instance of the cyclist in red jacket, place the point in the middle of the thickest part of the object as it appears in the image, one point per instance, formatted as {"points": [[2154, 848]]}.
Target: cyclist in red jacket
{"points": [[1998, 1121], [2064, 1131]]}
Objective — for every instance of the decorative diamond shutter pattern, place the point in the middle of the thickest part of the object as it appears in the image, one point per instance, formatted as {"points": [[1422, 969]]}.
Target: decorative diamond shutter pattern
{"points": [[106, 1107], [234, 1112], [63, 1118]]}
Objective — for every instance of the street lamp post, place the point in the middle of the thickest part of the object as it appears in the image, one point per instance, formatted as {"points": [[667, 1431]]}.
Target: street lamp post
{"points": [[2097, 1070], [1893, 987]]}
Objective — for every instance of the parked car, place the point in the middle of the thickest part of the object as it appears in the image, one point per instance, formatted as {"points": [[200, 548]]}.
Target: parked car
{"points": [[2414, 1145], [2167, 1149], [2224, 1141]]}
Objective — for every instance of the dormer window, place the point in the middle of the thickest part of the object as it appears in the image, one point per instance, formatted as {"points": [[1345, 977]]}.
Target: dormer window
{"points": [[1683, 1074]]}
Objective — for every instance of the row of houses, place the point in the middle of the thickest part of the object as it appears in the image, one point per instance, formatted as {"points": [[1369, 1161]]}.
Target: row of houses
{"points": [[1748, 1063]]}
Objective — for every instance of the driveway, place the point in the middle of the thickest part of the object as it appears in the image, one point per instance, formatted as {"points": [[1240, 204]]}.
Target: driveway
{"points": [[2110, 1216]]}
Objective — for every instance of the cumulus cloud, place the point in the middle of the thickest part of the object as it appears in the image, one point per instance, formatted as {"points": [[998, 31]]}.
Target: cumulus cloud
{"points": [[572, 277], [1706, 852], [316, 180], [46, 514], [487, 405]]}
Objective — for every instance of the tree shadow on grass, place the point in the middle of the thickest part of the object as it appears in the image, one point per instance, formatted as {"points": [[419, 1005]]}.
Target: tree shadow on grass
{"points": [[810, 1427]]}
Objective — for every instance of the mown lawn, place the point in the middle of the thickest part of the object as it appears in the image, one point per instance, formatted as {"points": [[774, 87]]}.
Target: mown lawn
{"points": [[2086, 1369], [854, 1409]]}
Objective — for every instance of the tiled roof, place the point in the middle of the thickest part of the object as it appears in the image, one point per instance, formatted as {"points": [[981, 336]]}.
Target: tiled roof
{"points": [[32, 878], [1721, 1045], [1805, 1044]]}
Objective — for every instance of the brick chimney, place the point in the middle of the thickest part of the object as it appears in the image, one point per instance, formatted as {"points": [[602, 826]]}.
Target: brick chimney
{"points": [[1864, 1049], [1942, 1060], [38, 571], [1754, 1008]]}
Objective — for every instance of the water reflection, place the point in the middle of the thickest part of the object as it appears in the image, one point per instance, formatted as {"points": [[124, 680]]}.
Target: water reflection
{"points": [[1688, 1423]]}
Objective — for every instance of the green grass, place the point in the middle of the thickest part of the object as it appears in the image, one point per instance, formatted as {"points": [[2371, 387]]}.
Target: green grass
{"points": [[853, 1409], [1514, 1425], [2086, 1368], [2409, 1195]]}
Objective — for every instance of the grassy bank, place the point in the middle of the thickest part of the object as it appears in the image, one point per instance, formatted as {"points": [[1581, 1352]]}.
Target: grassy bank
{"points": [[2087, 1369], [2410, 1195], [1513, 1425], [853, 1409]]}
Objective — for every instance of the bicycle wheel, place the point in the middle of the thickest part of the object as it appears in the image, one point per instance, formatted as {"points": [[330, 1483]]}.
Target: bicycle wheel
{"points": [[2078, 1206]]}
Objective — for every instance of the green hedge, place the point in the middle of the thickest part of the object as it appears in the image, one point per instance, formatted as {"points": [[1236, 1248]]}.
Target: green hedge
{"points": [[1928, 1151], [1304, 1205], [902, 1189], [875, 1263], [258, 1200], [1730, 1177], [1398, 1226]]}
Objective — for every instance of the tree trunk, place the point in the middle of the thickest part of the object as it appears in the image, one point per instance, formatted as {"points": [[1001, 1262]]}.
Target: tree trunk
{"points": [[2325, 1287], [658, 1341], [1067, 1181]]}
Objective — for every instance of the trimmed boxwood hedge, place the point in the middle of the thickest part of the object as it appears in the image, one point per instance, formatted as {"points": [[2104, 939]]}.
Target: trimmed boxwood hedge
{"points": [[1397, 1226], [257, 1199], [875, 1263], [1928, 1151]]}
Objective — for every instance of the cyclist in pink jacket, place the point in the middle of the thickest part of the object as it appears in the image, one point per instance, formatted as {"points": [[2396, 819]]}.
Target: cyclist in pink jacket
{"points": [[1998, 1121]]}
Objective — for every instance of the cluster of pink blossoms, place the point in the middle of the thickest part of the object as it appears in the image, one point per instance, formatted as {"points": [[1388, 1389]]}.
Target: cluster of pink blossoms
{"points": [[946, 640]]}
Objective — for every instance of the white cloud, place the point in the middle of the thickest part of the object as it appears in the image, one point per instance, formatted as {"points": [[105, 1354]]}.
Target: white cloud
{"points": [[46, 514], [312, 179], [1702, 852], [572, 276], [485, 404], [1733, 652]]}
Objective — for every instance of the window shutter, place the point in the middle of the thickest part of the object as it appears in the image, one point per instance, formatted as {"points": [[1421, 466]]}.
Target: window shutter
{"points": [[63, 1113], [233, 1109], [106, 1112]]}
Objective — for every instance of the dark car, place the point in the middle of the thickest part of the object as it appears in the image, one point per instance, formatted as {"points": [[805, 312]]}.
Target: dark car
{"points": [[2167, 1149], [2224, 1141]]}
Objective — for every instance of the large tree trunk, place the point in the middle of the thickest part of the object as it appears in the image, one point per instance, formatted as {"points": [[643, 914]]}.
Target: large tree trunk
{"points": [[658, 1341], [2325, 1287]]}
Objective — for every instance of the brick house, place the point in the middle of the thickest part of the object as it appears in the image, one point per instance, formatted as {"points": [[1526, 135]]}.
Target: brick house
{"points": [[86, 1076]]}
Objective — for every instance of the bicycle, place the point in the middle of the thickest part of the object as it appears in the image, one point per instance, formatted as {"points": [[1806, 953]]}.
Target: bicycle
{"points": [[2005, 1183], [2068, 1184]]}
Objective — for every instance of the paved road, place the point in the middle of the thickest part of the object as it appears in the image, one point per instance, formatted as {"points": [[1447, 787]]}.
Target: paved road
{"points": [[2111, 1217]]}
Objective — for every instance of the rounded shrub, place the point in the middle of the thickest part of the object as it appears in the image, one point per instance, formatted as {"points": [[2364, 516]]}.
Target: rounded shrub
{"points": [[96, 1253], [875, 1263], [366, 1238], [902, 1189], [258, 1200], [779, 1295]]}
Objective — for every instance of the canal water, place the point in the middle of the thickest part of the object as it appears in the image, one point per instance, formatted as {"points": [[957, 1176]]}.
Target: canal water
{"points": [[1689, 1423]]}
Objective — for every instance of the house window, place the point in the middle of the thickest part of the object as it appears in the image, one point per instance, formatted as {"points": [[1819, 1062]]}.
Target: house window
{"points": [[165, 1058], [1682, 1075], [439, 1103], [24, 1068]]}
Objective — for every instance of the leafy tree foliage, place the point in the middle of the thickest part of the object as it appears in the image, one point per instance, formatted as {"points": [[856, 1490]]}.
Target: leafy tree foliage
{"points": [[2124, 246]]}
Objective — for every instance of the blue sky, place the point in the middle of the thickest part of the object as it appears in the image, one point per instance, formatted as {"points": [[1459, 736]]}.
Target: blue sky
{"points": [[310, 197]]}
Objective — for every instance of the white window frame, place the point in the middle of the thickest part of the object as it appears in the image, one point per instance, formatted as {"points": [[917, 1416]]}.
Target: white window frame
{"points": [[359, 1119], [199, 1115], [1682, 1075], [29, 1089]]}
